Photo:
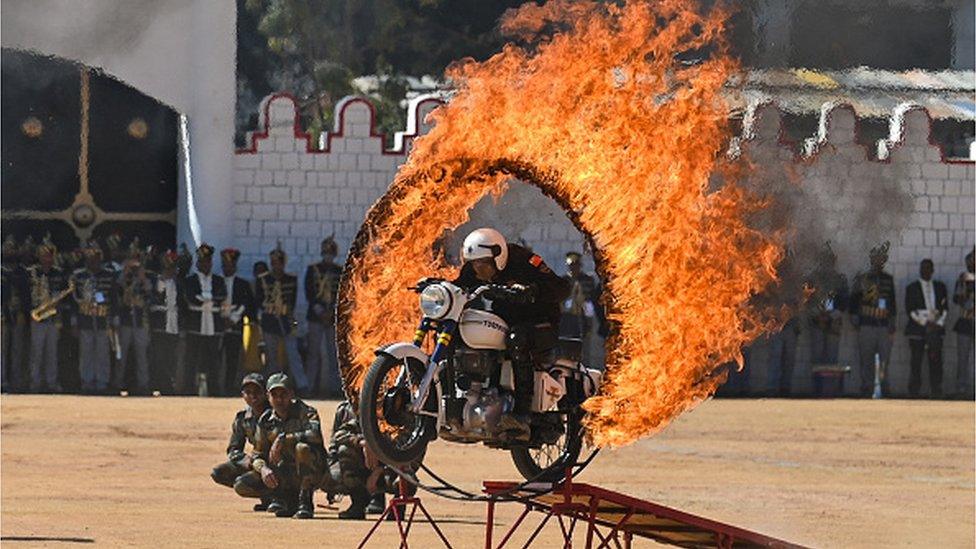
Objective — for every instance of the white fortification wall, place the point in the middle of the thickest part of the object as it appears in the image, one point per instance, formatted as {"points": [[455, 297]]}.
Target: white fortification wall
{"points": [[291, 190]]}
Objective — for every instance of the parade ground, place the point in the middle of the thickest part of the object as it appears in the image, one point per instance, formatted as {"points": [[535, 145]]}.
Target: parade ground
{"points": [[828, 473]]}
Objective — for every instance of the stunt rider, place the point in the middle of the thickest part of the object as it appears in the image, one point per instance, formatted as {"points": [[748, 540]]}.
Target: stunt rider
{"points": [[530, 307]]}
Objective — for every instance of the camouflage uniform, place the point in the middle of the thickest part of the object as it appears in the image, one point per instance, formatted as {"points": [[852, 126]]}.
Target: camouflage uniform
{"points": [[243, 430], [347, 472], [303, 457]]}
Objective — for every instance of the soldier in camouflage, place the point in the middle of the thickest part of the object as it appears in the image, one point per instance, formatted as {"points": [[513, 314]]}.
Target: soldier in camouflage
{"points": [[348, 471], [289, 457], [243, 431]]}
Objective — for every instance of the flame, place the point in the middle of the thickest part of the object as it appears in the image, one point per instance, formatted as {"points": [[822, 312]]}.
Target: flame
{"points": [[604, 118]]}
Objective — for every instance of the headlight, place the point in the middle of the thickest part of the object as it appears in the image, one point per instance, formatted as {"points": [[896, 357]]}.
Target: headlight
{"points": [[435, 301]]}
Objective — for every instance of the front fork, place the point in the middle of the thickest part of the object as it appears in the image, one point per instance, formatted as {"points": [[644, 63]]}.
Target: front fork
{"points": [[445, 332]]}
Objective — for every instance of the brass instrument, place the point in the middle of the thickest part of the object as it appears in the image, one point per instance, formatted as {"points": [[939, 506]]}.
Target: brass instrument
{"points": [[49, 308]]}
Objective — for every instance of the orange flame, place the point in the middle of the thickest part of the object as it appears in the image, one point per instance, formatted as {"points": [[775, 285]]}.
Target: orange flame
{"points": [[605, 120]]}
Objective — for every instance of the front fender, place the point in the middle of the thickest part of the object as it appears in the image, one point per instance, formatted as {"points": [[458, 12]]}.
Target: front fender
{"points": [[402, 350]]}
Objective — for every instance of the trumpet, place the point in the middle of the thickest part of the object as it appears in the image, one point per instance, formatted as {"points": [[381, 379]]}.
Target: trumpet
{"points": [[49, 308]]}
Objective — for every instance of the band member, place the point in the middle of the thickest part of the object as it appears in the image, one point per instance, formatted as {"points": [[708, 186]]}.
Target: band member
{"points": [[927, 304], [165, 321], [203, 296], [47, 286], [321, 289], [136, 288], [964, 296], [237, 309], [873, 314], [825, 317], [580, 310], [95, 298], [14, 319], [277, 292]]}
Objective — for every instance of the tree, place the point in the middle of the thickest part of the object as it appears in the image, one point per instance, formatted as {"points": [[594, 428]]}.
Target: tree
{"points": [[316, 48]]}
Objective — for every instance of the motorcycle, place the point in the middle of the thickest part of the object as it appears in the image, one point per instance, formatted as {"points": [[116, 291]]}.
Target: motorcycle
{"points": [[463, 388]]}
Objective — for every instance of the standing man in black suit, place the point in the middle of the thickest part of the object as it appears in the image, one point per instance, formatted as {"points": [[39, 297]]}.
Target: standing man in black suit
{"points": [[203, 295], [238, 305], [927, 304]]}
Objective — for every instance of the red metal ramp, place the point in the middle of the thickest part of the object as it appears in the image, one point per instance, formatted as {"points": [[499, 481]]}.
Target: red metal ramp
{"points": [[613, 519]]}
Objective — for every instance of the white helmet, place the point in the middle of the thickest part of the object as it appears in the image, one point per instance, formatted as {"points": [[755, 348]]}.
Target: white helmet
{"points": [[486, 243]]}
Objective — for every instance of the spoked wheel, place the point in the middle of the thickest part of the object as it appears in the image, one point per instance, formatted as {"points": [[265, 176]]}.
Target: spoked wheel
{"points": [[391, 430], [548, 463]]}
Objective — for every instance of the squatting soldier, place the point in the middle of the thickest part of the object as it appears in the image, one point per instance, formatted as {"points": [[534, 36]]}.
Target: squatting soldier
{"points": [[95, 296], [136, 289], [321, 289], [288, 458], [348, 471], [45, 282], [165, 320], [203, 294], [873, 314], [277, 292], [244, 430], [238, 305]]}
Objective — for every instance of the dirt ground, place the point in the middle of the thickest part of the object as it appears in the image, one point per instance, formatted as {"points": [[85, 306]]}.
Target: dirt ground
{"points": [[843, 473]]}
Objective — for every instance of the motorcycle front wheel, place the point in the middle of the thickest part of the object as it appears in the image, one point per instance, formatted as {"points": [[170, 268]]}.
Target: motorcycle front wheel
{"points": [[548, 463], [396, 435]]}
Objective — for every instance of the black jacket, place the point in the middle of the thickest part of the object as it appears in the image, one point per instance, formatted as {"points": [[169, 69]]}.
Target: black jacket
{"points": [[914, 300], [242, 297], [321, 290], [191, 294], [528, 269]]}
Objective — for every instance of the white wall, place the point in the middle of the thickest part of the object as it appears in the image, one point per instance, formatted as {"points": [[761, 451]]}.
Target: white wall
{"points": [[290, 190], [181, 52]]}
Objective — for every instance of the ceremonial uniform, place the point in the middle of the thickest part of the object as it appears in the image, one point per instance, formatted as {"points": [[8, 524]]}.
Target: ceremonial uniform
{"points": [[873, 313], [276, 297], [44, 286], [321, 290], [96, 303], [203, 295], [927, 304], [825, 319], [136, 290], [964, 295], [164, 320], [238, 309], [13, 320]]}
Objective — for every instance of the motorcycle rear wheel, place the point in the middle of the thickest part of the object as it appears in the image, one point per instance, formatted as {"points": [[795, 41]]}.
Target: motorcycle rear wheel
{"points": [[399, 440], [549, 462]]}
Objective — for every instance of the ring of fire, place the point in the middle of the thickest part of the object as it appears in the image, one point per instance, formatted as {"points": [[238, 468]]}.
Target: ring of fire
{"points": [[604, 118]]}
